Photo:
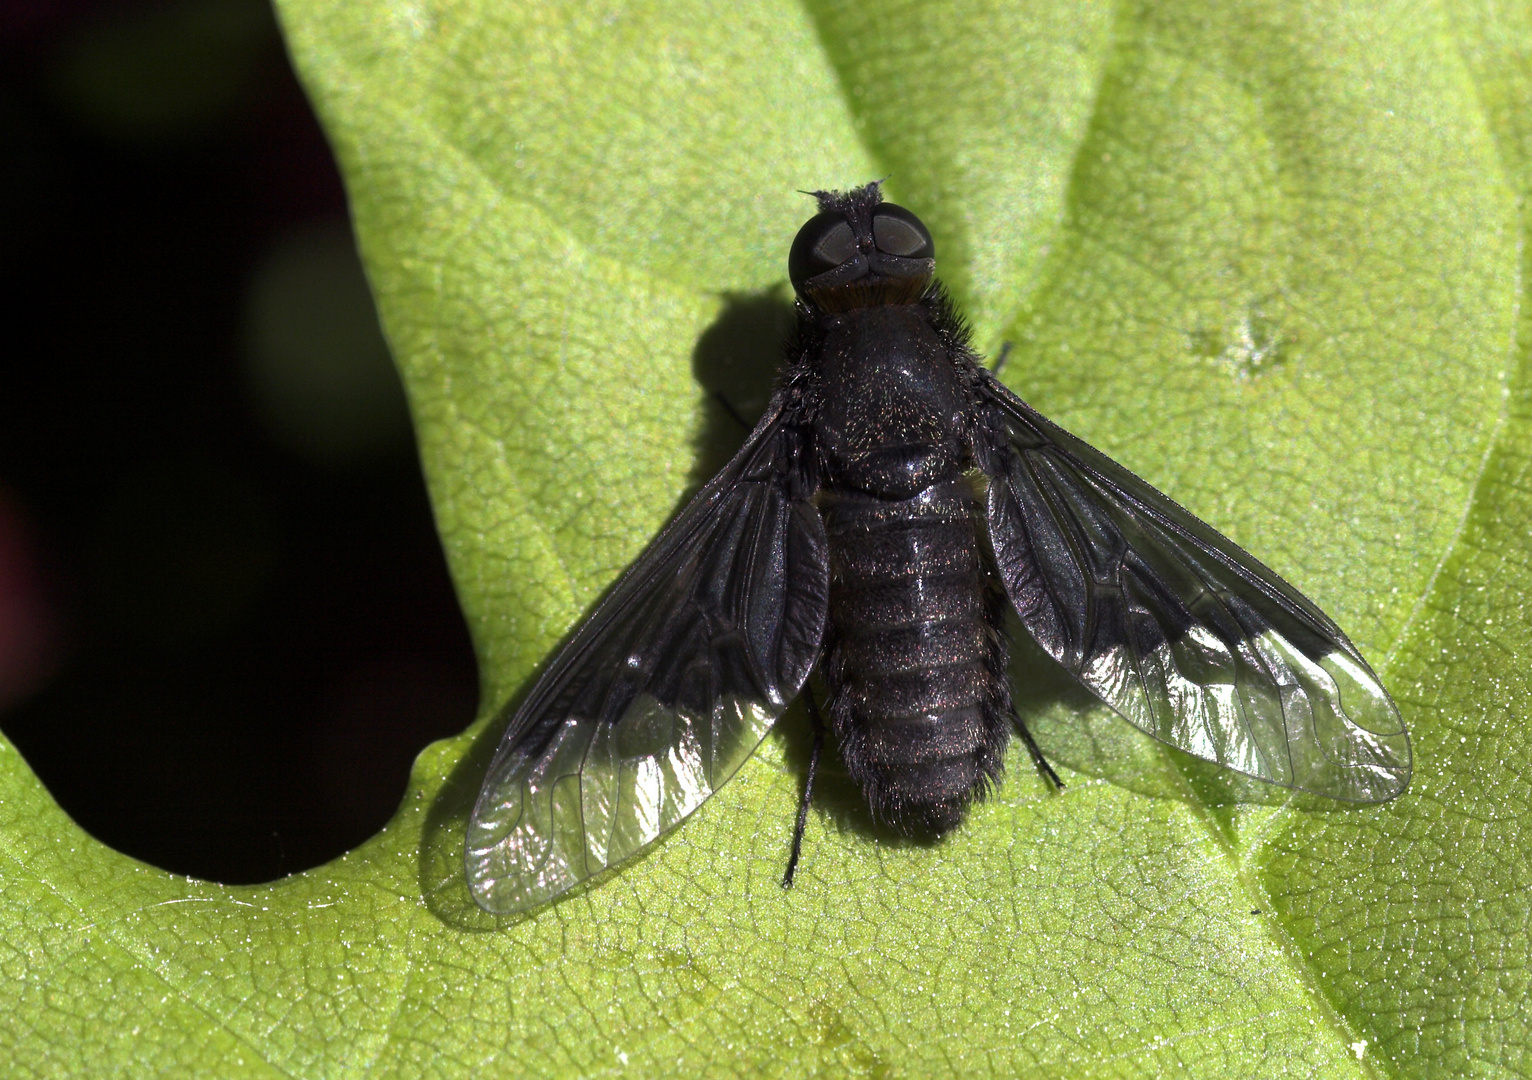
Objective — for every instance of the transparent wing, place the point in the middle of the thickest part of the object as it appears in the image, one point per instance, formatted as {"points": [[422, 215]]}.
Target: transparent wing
{"points": [[1178, 629], [666, 689]]}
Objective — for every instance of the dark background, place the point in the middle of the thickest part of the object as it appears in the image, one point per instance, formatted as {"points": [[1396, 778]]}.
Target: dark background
{"points": [[226, 627]]}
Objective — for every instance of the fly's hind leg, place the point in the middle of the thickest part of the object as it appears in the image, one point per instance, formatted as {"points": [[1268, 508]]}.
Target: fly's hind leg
{"points": [[808, 786], [1037, 756]]}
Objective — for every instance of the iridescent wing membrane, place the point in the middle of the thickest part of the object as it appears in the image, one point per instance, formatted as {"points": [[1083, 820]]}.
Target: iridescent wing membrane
{"points": [[1177, 628], [668, 687]]}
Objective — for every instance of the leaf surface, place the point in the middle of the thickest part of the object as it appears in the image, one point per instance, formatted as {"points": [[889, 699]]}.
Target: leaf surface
{"points": [[1268, 256]]}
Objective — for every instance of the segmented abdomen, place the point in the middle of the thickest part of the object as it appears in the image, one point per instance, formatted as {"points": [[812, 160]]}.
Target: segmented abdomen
{"points": [[916, 665]]}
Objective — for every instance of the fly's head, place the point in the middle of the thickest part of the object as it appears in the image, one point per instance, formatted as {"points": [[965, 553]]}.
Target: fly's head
{"points": [[860, 251]]}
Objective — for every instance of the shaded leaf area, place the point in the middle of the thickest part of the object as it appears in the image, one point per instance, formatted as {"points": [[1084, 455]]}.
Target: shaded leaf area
{"points": [[1267, 257]]}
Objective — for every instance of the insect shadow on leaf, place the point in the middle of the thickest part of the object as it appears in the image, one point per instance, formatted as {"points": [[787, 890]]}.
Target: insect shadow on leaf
{"points": [[736, 362]]}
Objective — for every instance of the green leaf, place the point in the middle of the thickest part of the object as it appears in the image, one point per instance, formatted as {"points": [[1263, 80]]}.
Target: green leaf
{"points": [[1268, 256]]}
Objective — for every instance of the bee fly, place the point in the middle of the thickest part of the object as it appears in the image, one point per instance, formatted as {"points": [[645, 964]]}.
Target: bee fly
{"points": [[891, 505]]}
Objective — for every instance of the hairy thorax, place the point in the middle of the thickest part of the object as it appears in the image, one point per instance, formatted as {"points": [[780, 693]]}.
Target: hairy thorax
{"points": [[893, 423]]}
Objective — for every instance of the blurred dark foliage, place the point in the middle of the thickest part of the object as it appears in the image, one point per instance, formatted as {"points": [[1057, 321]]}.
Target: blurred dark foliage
{"points": [[226, 627]]}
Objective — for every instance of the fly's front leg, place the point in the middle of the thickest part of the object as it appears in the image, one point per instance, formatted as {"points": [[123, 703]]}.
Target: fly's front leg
{"points": [[1005, 354], [729, 408]]}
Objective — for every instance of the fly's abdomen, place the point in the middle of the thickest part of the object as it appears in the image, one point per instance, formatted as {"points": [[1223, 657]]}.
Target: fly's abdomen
{"points": [[918, 695]]}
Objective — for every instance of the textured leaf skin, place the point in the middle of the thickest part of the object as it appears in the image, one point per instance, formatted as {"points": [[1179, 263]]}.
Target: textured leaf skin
{"points": [[1267, 256]]}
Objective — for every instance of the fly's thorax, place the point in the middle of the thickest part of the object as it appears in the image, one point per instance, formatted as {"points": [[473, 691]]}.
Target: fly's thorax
{"points": [[893, 402]]}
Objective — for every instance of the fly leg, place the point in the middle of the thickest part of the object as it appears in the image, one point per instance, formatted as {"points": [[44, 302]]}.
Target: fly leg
{"points": [[808, 787], [1037, 755], [730, 409], [1005, 354]]}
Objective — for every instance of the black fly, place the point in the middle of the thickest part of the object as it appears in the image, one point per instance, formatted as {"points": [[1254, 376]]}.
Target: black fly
{"points": [[890, 506]]}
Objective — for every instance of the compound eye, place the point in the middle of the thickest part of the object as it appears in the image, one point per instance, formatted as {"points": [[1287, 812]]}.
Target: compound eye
{"points": [[825, 242], [896, 231]]}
